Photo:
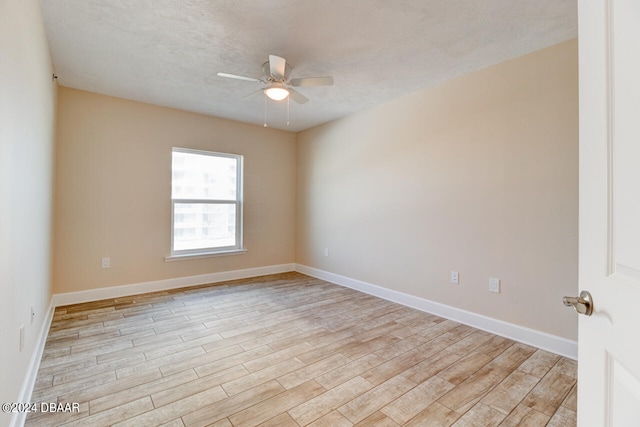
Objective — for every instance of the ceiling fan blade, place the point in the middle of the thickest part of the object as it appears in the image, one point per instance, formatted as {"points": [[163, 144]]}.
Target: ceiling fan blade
{"points": [[312, 81], [234, 76], [297, 96], [250, 94], [277, 67]]}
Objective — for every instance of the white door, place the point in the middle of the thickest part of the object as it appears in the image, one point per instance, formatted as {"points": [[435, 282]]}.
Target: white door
{"points": [[609, 339]]}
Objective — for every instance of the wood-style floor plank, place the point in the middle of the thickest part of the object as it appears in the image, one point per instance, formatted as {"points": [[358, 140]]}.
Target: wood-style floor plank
{"points": [[289, 350], [325, 403]]}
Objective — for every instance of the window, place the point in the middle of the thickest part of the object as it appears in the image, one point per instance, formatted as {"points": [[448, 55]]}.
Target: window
{"points": [[206, 199]]}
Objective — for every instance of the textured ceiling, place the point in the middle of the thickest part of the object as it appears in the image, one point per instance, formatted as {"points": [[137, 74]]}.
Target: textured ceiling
{"points": [[168, 52]]}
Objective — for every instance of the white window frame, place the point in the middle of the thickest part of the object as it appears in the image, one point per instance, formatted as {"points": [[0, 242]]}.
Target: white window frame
{"points": [[237, 248]]}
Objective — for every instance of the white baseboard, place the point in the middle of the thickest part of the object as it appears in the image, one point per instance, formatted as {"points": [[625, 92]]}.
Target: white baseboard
{"points": [[543, 340], [18, 419], [68, 298]]}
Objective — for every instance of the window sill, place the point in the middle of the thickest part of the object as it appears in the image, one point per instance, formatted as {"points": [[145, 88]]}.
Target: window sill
{"points": [[185, 257]]}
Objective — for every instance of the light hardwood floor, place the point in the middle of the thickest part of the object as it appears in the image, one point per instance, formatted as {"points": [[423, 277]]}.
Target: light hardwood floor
{"points": [[290, 350]]}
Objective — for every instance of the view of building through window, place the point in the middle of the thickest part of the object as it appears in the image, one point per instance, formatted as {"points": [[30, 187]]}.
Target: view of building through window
{"points": [[206, 198]]}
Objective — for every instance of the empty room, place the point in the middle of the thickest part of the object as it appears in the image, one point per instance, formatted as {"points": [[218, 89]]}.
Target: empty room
{"points": [[285, 213]]}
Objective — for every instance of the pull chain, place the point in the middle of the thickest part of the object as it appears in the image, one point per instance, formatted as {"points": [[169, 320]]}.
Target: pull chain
{"points": [[288, 110], [265, 109]]}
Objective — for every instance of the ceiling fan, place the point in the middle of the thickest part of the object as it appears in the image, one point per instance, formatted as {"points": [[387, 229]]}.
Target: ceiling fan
{"points": [[276, 71]]}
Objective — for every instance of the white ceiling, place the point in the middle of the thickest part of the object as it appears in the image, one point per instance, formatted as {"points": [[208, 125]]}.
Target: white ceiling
{"points": [[167, 52]]}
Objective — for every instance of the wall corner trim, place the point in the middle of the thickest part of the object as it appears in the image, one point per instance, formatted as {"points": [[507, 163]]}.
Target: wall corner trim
{"points": [[542, 340], [18, 419]]}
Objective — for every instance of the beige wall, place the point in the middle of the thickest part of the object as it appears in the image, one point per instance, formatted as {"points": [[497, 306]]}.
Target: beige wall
{"points": [[113, 189], [27, 118], [478, 175]]}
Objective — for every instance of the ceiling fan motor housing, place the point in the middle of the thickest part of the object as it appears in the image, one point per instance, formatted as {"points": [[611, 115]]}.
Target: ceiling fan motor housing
{"points": [[266, 71]]}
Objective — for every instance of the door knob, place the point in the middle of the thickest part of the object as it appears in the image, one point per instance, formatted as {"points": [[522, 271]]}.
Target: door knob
{"points": [[582, 304]]}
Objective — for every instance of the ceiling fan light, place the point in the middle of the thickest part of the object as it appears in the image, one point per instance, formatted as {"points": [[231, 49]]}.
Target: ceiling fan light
{"points": [[276, 93]]}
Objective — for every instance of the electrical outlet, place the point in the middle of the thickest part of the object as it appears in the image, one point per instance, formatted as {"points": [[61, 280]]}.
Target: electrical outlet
{"points": [[106, 262], [326, 251], [494, 285], [454, 277]]}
